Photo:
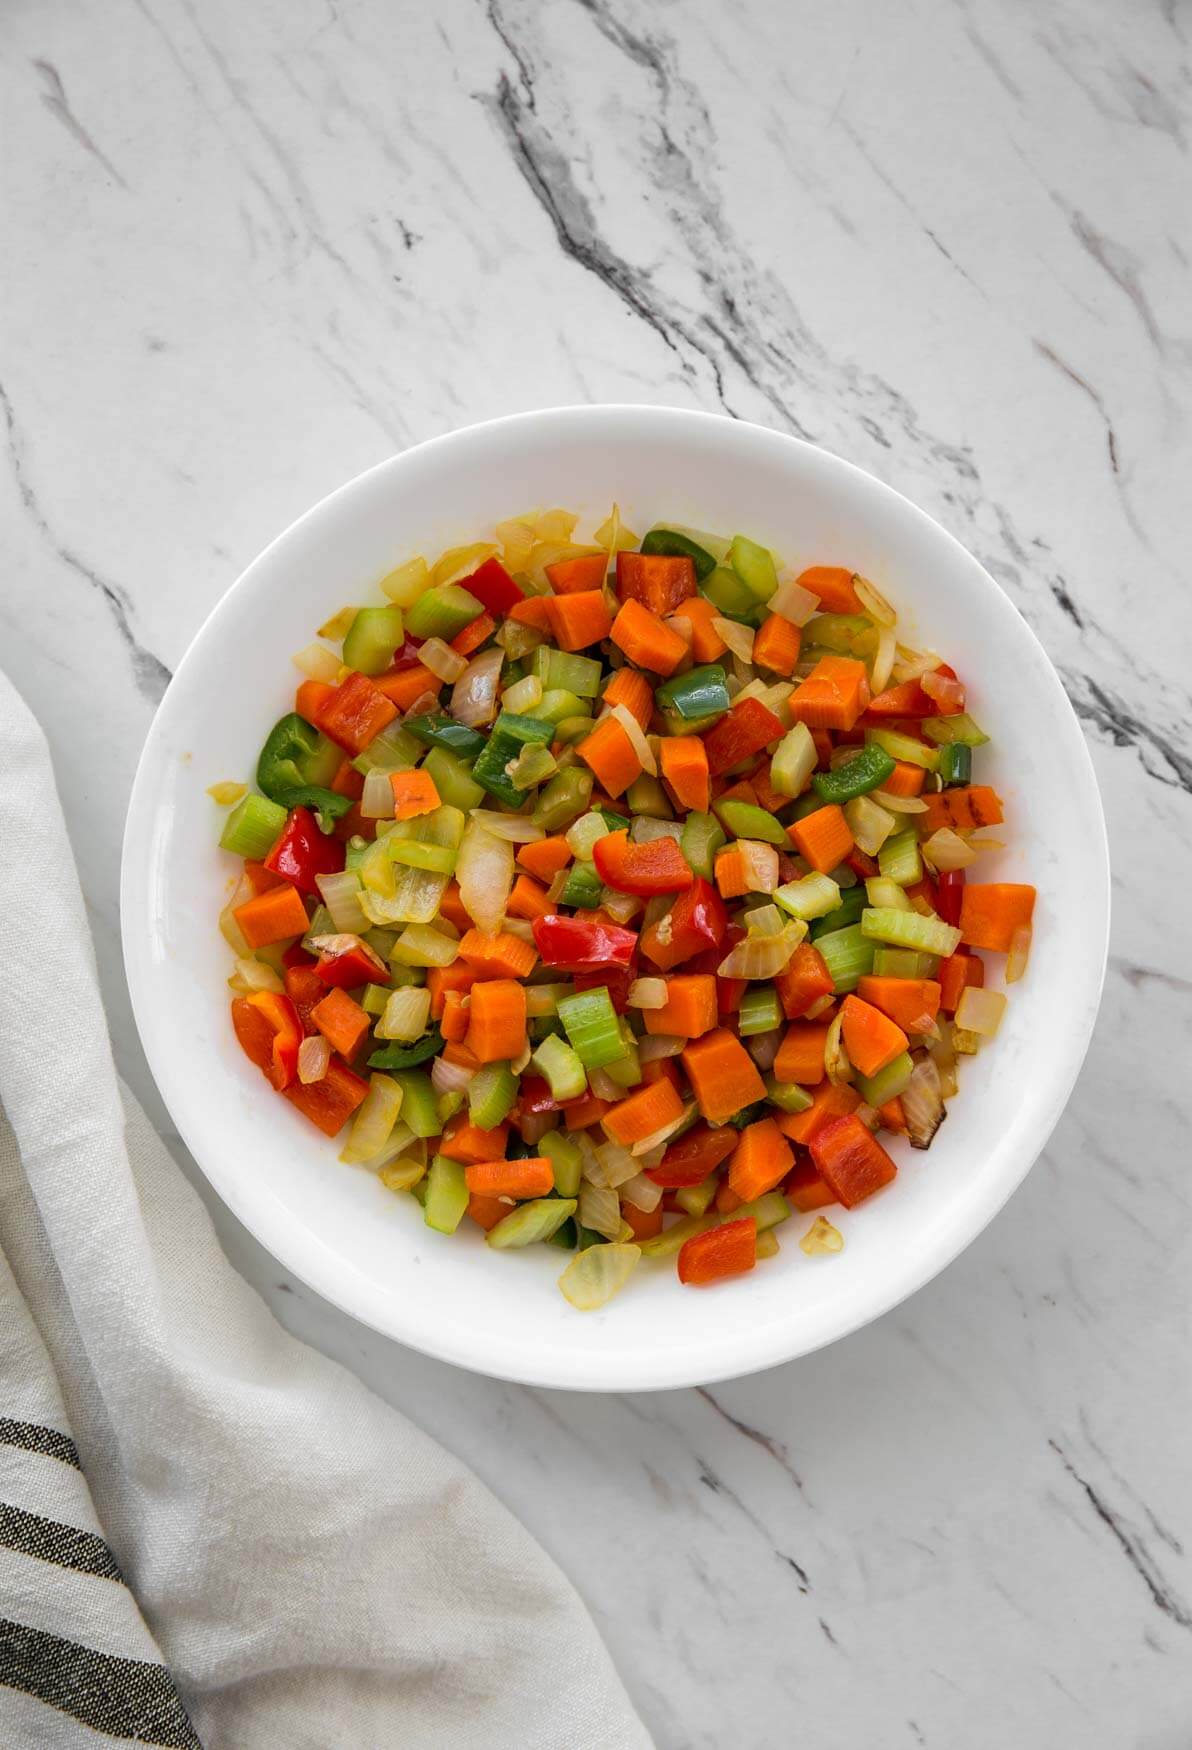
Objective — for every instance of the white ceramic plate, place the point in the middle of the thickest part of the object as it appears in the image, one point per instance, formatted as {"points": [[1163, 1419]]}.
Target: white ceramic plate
{"points": [[366, 1249]]}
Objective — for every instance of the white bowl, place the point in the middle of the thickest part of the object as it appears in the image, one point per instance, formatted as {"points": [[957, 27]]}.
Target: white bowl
{"points": [[368, 1250]]}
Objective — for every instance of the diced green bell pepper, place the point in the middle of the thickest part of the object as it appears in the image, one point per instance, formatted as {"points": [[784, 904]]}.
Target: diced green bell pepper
{"points": [[702, 837], [701, 692], [295, 754], [674, 545], [852, 903], [453, 779], [398, 1056], [562, 669], [584, 887], [956, 764], [745, 820], [729, 595], [438, 730], [868, 771]]}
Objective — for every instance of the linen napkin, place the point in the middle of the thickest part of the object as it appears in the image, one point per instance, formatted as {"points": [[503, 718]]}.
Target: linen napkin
{"points": [[209, 1534]]}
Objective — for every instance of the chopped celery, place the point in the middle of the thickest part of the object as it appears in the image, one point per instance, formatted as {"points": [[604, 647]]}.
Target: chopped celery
{"points": [[848, 955], [453, 779], [949, 730], [373, 636], [908, 929], [725, 590], [745, 820], [767, 1210], [564, 1072], [615, 822], [841, 634], [852, 904], [646, 796], [701, 838], [531, 1222], [856, 777], [903, 963], [422, 944], [675, 545], [787, 1096], [415, 855], [447, 1105], [556, 704], [760, 1011], [899, 859], [438, 730], [626, 1071], [888, 1082], [582, 837], [393, 750], [815, 896], [880, 890], [563, 799], [446, 1195], [522, 694], [956, 764], [755, 567], [419, 891], [560, 669], [400, 975], [419, 1105], [252, 828], [672, 1239], [565, 1236], [903, 747], [442, 612], [566, 1160], [697, 1199], [592, 1027], [794, 761], [584, 888], [491, 1095], [374, 999], [569, 730], [698, 695]]}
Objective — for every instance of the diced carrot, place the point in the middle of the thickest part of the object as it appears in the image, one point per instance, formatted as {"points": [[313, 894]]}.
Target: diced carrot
{"points": [[546, 857], [459, 1054], [588, 1109], [741, 732], [850, 1160], [990, 912], [453, 1019], [746, 866], [706, 643], [348, 781], [761, 1158], [355, 712], [726, 1199], [740, 790], [822, 838], [892, 1115], [404, 687], [452, 907], [662, 1069], [962, 809], [646, 641], [342, 1022], [575, 576], [645, 1111], [768, 797], [690, 1008], [534, 610], [806, 1190], [532, 1176], [527, 900], [800, 1057], [467, 1142], [580, 619], [272, 916], [310, 696], [729, 1249], [912, 1003], [497, 1021], [629, 687], [805, 980], [328, 1103], [905, 780], [474, 634], [644, 1225], [723, 1076], [261, 879], [501, 956], [834, 586], [829, 1101], [776, 645], [486, 1212], [413, 793], [661, 582], [684, 765], [610, 754], [871, 1039], [955, 974], [834, 694]]}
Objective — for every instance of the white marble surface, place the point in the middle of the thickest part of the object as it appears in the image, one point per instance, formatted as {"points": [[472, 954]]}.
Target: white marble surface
{"points": [[252, 247]]}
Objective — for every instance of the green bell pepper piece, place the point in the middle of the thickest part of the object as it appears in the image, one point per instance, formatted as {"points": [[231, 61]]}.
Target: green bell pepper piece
{"points": [[439, 730], [702, 837], [745, 820], [398, 1056], [956, 764], [701, 692], [295, 754], [584, 887], [564, 799], [726, 592], [674, 545], [868, 771]]}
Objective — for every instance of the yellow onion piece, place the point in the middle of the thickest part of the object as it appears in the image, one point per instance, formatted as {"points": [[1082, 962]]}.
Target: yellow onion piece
{"points": [[596, 1274]]}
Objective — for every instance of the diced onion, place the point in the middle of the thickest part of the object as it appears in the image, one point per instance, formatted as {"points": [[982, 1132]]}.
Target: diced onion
{"points": [[523, 695], [883, 659], [318, 663], [821, 1238], [642, 1193], [597, 1273], [763, 956], [868, 1116], [647, 993], [621, 907], [406, 1014], [947, 693], [474, 696], [910, 664], [376, 803], [441, 660], [682, 625], [899, 804], [519, 829], [659, 1045], [764, 920], [869, 823], [923, 1103], [603, 1085], [253, 975], [517, 537], [341, 895], [664, 1132], [407, 583], [375, 1118], [819, 1007], [946, 849], [836, 1064], [401, 1175], [738, 638], [554, 892], [519, 1063], [980, 1011], [794, 603], [457, 562], [646, 829], [582, 835], [600, 1209], [449, 1078], [641, 746], [226, 793], [612, 1164], [484, 870], [314, 1055], [1019, 954], [874, 602]]}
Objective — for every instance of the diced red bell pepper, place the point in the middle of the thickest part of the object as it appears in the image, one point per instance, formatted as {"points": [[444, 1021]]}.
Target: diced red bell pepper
{"points": [[862, 866], [955, 974], [474, 634], [615, 979], [534, 1095], [303, 852], [270, 1032], [352, 964], [407, 654], [658, 866], [329, 1103], [950, 887], [729, 991], [744, 730], [695, 924], [804, 982], [694, 1156], [354, 713], [575, 945], [659, 581], [305, 988], [493, 587], [296, 955]]}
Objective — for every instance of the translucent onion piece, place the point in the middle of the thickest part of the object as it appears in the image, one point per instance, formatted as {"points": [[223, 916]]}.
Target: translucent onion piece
{"points": [[484, 870], [794, 603], [836, 1063], [554, 525], [646, 829], [407, 583], [621, 907], [869, 823], [596, 1274], [226, 793], [883, 660], [406, 1014], [339, 943], [582, 835], [899, 804], [519, 927], [456, 562], [658, 1045], [869, 1116], [946, 849], [474, 696], [874, 602], [966, 1041], [441, 660], [642, 1193], [517, 537], [910, 664], [763, 1048], [318, 663], [1019, 954], [764, 920], [229, 927], [523, 695], [554, 892], [665, 1132], [448, 1078], [647, 993], [641, 746], [615, 1163], [519, 829], [763, 956], [980, 1011], [341, 896], [374, 1119], [614, 536], [747, 683], [425, 702], [923, 1103], [401, 1175], [376, 803], [766, 1244], [738, 638], [821, 1238], [600, 1209], [314, 1055], [819, 1007], [947, 693], [534, 1125], [682, 625], [253, 975]]}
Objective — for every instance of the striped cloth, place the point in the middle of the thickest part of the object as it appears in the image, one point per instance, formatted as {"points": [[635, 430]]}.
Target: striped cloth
{"points": [[209, 1534]]}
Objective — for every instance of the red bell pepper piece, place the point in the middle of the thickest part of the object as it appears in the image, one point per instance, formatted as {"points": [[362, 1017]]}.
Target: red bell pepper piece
{"points": [[950, 886], [729, 991], [804, 982], [575, 945], [329, 1103], [661, 582], [406, 655], [270, 1032], [534, 1095], [305, 989], [493, 587], [303, 852], [744, 730], [296, 955], [695, 924], [694, 1156], [351, 964], [658, 866]]}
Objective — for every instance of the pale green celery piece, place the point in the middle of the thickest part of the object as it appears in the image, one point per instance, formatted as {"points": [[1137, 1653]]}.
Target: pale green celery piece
{"points": [[533, 765], [754, 565], [522, 696], [906, 929], [453, 779], [848, 954], [422, 945], [899, 860], [491, 1095], [413, 854], [565, 1159], [442, 612], [419, 891], [701, 838], [572, 729], [960, 728], [904, 747], [626, 1071], [760, 1011], [728, 594], [904, 963], [646, 796], [447, 1105], [697, 1199], [812, 897], [252, 827], [372, 638], [321, 924], [558, 1062], [419, 1102], [446, 1195], [400, 975], [563, 799], [583, 835], [880, 890], [794, 761], [841, 634], [592, 1027], [393, 750], [556, 704], [787, 1096], [672, 1239], [767, 1211], [888, 1083], [562, 669], [374, 999], [531, 1222]]}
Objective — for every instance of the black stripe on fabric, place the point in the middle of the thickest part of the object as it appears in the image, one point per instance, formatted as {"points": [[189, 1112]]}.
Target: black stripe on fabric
{"points": [[34, 1438], [126, 1698], [50, 1541]]}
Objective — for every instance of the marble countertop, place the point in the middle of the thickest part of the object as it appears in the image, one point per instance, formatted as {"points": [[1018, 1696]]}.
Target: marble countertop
{"points": [[252, 249]]}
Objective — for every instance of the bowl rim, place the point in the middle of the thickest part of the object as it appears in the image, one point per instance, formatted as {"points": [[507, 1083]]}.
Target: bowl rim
{"points": [[768, 1348]]}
